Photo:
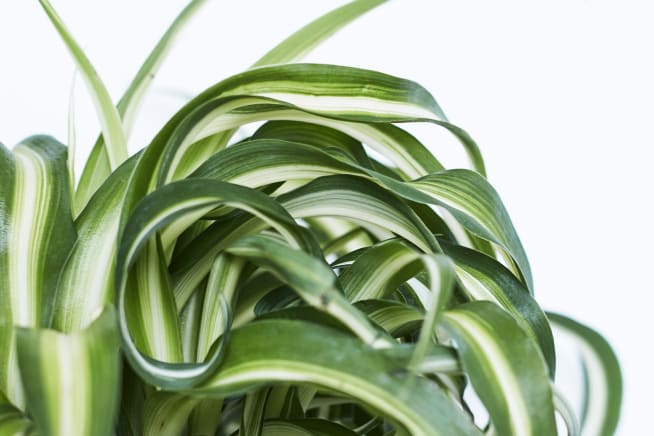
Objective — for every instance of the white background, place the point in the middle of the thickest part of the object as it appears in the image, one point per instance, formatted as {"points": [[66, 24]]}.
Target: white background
{"points": [[558, 94]]}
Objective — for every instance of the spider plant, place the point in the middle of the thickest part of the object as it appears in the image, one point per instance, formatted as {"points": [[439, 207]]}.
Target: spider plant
{"points": [[324, 275]]}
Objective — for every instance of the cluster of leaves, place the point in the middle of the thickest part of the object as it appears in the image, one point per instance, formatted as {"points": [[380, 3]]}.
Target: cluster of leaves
{"points": [[325, 275]]}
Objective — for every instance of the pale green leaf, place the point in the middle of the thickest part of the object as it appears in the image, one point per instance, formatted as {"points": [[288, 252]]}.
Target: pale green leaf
{"points": [[603, 380], [72, 381], [112, 129], [505, 368], [324, 358]]}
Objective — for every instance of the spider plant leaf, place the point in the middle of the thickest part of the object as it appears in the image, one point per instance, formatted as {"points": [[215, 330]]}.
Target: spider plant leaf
{"points": [[177, 202], [151, 297], [321, 137], [133, 397], [36, 233], [112, 129], [440, 271], [97, 168], [603, 391], [380, 270], [353, 198], [71, 143], [191, 265], [505, 368], [566, 412], [394, 317], [260, 162], [261, 353], [166, 413], [206, 417], [311, 278], [307, 38], [348, 93], [221, 289], [83, 287], [254, 407], [398, 145], [395, 144], [130, 102], [305, 427], [72, 381], [483, 278], [343, 93], [385, 266], [12, 420], [468, 195], [297, 46], [362, 201]]}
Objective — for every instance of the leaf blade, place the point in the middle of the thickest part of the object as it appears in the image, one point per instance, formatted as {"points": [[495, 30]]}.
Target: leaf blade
{"points": [[112, 129], [604, 378], [72, 381], [505, 368], [373, 381]]}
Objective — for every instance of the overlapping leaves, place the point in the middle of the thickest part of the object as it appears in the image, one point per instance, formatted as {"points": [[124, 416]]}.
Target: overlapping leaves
{"points": [[304, 280]]}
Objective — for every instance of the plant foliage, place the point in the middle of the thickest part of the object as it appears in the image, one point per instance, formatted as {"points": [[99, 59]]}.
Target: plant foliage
{"points": [[326, 275]]}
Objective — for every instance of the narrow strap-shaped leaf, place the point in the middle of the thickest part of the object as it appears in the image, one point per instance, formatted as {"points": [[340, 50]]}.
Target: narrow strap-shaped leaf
{"points": [[305, 427], [380, 270], [72, 381], [37, 232], [205, 418], [262, 161], [483, 278], [192, 263], [346, 94], [505, 367], [292, 49], [397, 145], [189, 320], [41, 231], [9, 381], [383, 267], [307, 38], [311, 278], [133, 396], [362, 201], [437, 359], [166, 413], [84, 288], [603, 391], [112, 129], [71, 144], [346, 197], [566, 412], [321, 137], [464, 193], [12, 420], [295, 352], [160, 209], [254, 408], [97, 168], [131, 100], [151, 298], [221, 289], [440, 270], [396, 318], [474, 202]]}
